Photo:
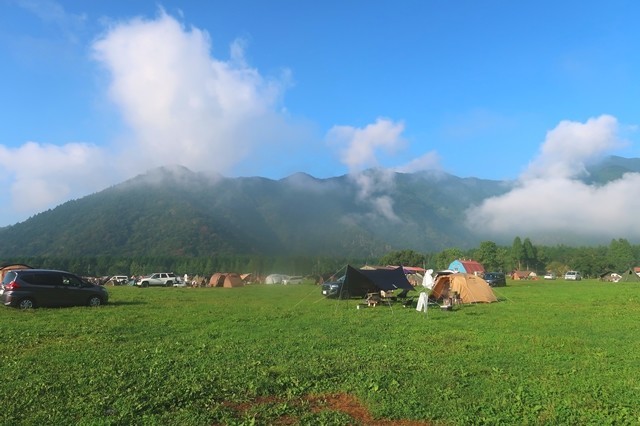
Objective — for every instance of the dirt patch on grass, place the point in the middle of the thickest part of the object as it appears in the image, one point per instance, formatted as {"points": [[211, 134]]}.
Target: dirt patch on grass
{"points": [[351, 406], [340, 402]]}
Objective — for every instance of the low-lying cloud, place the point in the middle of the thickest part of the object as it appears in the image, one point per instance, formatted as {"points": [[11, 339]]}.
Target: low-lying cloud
{"points": [[359, 149], [550, 203]]}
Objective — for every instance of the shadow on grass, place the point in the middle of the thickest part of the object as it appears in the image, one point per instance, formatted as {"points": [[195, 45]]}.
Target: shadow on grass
{"points": [[126, 303]]}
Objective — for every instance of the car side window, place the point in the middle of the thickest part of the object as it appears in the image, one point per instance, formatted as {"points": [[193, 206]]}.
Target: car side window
{"points": [[41, 279], [71, 281]]}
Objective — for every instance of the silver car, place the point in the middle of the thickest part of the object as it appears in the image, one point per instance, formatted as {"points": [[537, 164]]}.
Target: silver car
{"points": [[572, 276], [162, 279]]}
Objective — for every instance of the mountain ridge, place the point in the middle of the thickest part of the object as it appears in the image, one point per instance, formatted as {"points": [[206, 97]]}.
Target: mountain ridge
{"points": [[173, 211]]}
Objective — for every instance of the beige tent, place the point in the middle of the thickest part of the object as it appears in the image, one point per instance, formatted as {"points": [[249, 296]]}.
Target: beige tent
{"points": [[226, 280], [470, 288], [11, 267]]}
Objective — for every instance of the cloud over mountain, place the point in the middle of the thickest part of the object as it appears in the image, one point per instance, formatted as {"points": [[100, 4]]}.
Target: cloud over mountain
{"points": [[552, 203]]}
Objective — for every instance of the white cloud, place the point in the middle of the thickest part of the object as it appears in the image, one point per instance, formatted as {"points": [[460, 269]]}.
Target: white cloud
{"points": [[359, 150], [52, 12], [183, 105], [571, 145], [428, 161], [550, 204], [41, 175]]}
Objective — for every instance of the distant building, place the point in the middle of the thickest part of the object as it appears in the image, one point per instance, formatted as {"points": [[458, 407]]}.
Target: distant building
{"points": [[467, 266]]}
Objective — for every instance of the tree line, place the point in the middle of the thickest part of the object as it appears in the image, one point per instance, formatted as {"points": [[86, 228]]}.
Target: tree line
{"points": [[522, 254]]}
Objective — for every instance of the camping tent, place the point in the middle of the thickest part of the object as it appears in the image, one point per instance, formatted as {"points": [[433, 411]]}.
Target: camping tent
{"points": [[466, 266], [225, 280], [11, 267], [610, 276], [359, 282], [470, 288], [275, 279], [629, 276]]}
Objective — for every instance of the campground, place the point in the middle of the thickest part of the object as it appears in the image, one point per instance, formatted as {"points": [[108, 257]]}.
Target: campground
{"points": [[548, 352]]}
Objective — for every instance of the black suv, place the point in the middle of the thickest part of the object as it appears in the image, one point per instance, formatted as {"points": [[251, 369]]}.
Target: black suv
{"points": [[495, 279], [334, 289], [29, 288]]}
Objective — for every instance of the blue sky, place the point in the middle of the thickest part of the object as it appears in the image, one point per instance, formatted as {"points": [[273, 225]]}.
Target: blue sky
{"points": [[94, 93]]}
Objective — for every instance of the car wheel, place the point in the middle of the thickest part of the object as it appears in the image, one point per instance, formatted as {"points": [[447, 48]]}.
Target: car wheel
{"points": [[168, 284], [26, 304], [145, 284], [345, 295], [94, 301]]}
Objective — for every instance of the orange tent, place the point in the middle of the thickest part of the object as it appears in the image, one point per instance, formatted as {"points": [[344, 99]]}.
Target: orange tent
{"points": [[226, 280], [470, 288]]}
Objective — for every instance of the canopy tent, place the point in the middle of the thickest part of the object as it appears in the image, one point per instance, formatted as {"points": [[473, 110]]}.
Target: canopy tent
{"points": [[470, 288], [359, 282]]}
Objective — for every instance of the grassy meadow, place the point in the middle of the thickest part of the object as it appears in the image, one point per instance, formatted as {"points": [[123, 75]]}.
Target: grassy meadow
{"points": [[551, 352]]}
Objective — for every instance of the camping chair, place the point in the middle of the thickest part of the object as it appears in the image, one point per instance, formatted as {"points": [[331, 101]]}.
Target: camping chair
{"points": [[386, 296], [455, 298], [373, 299]]}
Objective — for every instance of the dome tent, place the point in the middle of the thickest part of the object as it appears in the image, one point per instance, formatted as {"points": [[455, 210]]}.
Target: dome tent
{"points": [[470, 288], [226, 280]]}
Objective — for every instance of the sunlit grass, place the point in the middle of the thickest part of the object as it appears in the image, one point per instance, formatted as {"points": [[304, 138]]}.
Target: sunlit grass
{"points": [[547, 353]]}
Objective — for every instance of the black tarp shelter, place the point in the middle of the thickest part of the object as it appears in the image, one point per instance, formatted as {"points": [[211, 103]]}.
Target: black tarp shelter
{"points": [[359, 282]]}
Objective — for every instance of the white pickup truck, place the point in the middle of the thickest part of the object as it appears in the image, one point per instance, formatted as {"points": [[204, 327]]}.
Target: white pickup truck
{"points": [[162, 279]]}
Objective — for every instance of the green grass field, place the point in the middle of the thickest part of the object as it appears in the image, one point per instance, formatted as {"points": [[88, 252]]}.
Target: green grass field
{"points": [[548, 353]]}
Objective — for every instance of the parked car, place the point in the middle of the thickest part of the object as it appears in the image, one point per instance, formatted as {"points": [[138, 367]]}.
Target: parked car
{"points": [[29, 288], [549, 276], [495, 279], [162, 279], [334, 289], [119, 279], [292, 280], [572, 276]]}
